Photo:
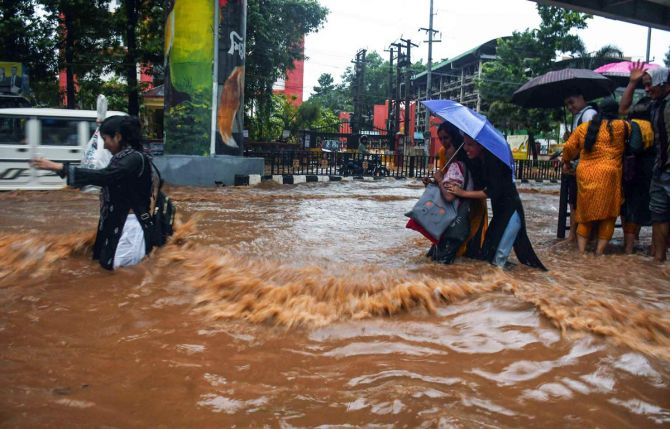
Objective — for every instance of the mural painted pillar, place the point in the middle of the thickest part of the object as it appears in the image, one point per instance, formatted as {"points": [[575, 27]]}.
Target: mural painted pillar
{"points": [[189, 60], [228, 138]]}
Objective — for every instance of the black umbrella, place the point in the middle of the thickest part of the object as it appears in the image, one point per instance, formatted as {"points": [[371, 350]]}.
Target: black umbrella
{"points": [[550, 89]]}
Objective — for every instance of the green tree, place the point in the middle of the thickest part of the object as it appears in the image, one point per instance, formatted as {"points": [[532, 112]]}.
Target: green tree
{"points": [[114, 89], [592, 60], [327, 121], [525, 55], [139, 25], [331, 96], [275, 36], [85, 38], [27, 36], [376, 89], [309, 115]]}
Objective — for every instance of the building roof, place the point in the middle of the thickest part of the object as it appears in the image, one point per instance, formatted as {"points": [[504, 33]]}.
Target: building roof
{"points": [[487, 48], [650, 13], [157, 91]]}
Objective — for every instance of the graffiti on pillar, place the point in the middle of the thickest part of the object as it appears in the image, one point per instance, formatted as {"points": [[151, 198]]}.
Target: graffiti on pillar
{"points": [[189, 58], [230, 100]]}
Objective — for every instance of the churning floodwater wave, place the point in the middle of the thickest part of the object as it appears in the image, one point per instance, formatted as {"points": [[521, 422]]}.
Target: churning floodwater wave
{"points": [[615, 297], [312, 305]]}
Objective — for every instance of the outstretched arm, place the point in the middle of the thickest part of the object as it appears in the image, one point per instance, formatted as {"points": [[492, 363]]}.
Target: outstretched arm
{"points": [[76, 176], [636, 72]]}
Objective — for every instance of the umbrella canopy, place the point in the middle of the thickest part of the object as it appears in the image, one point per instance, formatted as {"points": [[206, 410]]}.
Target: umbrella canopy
{"points": [[474, 125], [550, 89], [620, 72]]}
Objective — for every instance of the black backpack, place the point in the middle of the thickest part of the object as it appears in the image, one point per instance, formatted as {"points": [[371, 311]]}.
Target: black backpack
{"points": [[164, 211]]}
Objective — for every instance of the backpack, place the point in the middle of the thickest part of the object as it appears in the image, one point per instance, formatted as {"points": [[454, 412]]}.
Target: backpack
{"points": [[633, 146], [591, 106], [163, 211]]}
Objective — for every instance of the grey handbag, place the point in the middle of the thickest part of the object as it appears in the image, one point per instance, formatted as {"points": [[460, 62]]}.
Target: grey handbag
{"points": [[432, 212]]}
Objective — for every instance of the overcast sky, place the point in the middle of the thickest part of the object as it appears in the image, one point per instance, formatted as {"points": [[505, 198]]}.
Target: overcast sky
{"points": [[375, 24]]}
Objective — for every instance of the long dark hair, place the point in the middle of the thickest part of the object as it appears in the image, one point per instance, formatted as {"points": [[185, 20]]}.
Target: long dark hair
{"points": [[128, 127], [608, 110], [454, 133], [456, 141]]}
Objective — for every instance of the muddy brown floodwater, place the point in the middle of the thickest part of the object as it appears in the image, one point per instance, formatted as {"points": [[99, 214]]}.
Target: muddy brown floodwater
{"points": [[312, 306]]}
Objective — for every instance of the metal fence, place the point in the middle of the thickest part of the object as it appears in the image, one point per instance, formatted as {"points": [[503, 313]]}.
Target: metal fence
{"points": [[356, 164], [346, 164], [527, 169]]}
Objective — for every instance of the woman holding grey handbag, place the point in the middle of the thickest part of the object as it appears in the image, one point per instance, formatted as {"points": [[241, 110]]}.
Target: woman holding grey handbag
{"points": [[459, 231]]}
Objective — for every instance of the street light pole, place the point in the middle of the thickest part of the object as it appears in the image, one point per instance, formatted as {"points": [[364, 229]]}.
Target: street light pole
{"points": [[648, 42]]}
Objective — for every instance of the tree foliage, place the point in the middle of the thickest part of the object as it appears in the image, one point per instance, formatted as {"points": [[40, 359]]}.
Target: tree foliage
{"points": [[138, 26], [339, 97], [522, 56], [309, 115], [27, 37], [88, 39], [334, 97], [275, 37], [84, 38]]}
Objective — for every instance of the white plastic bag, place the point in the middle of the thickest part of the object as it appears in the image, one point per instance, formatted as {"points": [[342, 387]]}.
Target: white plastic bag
{"points": [[95, 155], [131, 248]]}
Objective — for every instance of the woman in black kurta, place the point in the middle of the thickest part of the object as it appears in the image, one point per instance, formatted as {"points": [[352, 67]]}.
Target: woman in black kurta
{"points": [[125, 197], [493, 179]]}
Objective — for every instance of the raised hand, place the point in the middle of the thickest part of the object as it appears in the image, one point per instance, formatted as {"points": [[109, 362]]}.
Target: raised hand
{"points": [[637, 69]]}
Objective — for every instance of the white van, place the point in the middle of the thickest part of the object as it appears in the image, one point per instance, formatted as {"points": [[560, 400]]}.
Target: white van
{"points": [[56, 134]]}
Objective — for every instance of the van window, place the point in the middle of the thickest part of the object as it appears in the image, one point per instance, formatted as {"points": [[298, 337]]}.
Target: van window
{"points": [[13, 130], [60, 132]]}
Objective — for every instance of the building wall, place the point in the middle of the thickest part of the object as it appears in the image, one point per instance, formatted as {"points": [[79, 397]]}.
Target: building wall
{"points": [[455, 79], [292, 86]]}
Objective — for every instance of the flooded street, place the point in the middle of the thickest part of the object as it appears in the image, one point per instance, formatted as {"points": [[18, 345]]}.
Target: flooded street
{"points": [[312, 306]]}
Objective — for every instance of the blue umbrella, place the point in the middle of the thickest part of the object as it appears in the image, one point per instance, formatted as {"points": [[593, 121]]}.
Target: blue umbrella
{"points": [[474, 125]]}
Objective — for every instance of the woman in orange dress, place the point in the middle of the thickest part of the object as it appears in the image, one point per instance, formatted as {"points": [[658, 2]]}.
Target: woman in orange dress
{"points": [[599, 144]]}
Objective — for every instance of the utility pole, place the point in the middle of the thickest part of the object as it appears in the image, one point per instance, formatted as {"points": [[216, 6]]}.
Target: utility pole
{"points": [[408, 73], [361, 92], [429, 68], [389, 98], [359, 76], [648, 43], [396, 114]]}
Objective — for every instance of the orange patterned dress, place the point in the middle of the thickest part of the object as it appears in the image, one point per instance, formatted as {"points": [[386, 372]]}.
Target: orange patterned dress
{"points": [[599, 173]]}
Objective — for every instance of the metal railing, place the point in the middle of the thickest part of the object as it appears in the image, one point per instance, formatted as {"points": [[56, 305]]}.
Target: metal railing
{"points": [[527, 169], [346, 164], [381, 165]]}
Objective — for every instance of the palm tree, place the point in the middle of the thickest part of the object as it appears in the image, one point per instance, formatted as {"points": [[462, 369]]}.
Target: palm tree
{"points": [[591, 60], [603, 56]]}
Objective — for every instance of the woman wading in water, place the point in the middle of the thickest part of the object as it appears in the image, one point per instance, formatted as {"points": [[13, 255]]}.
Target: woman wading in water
{"points": [[493, 179], [125, 198]]}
